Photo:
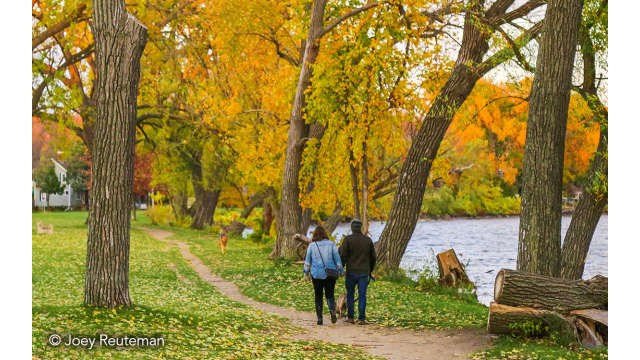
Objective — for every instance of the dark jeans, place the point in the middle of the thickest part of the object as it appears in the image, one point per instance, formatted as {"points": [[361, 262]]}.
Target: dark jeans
{"points": [[351, 280], [328, 285]]}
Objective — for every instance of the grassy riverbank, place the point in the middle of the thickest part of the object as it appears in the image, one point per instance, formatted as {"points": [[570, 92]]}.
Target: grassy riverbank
{"points": [[198, 322], [194, 319], [391, 302]]}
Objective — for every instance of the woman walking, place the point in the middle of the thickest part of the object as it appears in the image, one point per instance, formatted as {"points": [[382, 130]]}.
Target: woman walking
{"points": [[324, 264]]}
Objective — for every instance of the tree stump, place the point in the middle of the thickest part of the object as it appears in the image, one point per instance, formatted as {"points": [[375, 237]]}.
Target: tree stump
{"points": [[451, 270], [516, 288]]}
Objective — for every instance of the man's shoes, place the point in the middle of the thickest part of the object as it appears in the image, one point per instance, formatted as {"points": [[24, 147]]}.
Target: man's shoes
{"points": [[350, 321], [319, 322], [333, 317], [362, 322]]}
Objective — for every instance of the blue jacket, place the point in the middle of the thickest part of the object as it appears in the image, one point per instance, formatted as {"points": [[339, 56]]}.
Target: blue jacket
{"points": [[330, 255]]}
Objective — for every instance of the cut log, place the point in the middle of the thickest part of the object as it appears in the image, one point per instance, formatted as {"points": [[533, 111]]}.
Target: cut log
{"points": [[597, 321], [517, 288], [588, 335], [451, 270], [527, 321]]}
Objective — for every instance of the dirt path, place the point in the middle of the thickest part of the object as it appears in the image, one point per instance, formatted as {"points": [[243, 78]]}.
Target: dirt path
{"points": [[402, 344]]}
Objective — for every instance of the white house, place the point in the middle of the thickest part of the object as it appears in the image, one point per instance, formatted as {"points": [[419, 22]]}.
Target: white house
{"points": [[68, 198]]}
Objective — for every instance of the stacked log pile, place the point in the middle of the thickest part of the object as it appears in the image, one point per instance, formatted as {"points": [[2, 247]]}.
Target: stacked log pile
{"points": [[531, 304]]}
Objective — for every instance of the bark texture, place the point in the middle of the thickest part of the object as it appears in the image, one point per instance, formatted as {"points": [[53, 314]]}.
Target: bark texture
{"points": [[290, 216], [120, 40], [206, 201], [412, 181], [595, 196], [290, 219], [516, 288], [541, 206], [502, 319]]}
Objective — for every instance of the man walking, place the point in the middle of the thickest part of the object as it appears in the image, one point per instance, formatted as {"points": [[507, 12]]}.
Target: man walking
{"points": [[359, 258]]}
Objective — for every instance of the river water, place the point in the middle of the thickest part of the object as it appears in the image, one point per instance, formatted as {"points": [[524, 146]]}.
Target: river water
{"points": [[483, 245]]}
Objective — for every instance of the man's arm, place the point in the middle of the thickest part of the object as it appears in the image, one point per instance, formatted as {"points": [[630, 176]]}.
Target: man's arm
{"points": [[372, 255], [343, 250]]}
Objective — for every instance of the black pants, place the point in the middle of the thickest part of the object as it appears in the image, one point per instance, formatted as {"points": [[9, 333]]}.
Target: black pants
{"points": [[328, 285]]}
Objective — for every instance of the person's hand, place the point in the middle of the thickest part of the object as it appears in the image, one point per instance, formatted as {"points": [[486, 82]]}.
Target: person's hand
{"points": [[307, 277]]}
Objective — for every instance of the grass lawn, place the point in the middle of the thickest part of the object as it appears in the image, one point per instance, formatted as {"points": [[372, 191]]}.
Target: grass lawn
{"points": [[196, 321]]}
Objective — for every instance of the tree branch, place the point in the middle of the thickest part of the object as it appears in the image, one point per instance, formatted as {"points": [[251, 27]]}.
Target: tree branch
{"points": [[497, 18], [508, 52], [56, 28], [344, 17]]}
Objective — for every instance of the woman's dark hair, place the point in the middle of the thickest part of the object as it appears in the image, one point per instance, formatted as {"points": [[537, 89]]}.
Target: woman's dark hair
{"points": [[319, 234]]}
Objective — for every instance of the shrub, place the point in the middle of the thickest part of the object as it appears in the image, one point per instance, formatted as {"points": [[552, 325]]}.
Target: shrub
{"points": [[160, 215], [438, 202]]}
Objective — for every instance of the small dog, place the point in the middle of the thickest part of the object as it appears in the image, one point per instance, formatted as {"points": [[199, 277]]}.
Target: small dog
{"points": [[222, 241], [341, 306]]}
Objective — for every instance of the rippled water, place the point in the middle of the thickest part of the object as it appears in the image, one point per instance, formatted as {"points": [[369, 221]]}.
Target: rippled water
{"points": [[485, 245]]}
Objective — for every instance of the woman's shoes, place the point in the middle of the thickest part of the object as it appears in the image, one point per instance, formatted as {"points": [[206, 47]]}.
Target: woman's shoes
{"points": [[319, 322], [350, 321]]}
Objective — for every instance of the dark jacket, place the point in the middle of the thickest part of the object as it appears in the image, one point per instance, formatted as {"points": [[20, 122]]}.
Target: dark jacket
{"points": [[357, 253]]}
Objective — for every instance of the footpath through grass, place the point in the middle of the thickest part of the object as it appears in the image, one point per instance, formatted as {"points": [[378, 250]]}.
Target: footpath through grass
{"points": [[195, 320], [390, 302]]}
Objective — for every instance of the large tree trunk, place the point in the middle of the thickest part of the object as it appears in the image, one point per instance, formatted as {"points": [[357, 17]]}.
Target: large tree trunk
{"points": [[407, 200], [594, 198], [205, 204], [290, 219], [120, 39], [541, 207], [516, 288]]}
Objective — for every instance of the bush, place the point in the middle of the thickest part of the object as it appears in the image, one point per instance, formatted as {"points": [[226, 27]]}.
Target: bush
{"points": [[160, 215], [438, 202]]}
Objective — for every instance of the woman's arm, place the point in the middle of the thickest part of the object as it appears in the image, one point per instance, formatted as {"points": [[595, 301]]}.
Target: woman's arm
{"points": [[307, 261], [336, 258]]}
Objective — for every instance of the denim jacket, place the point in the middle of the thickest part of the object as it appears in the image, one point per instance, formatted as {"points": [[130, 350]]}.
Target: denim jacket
{"points": [[330, 255]]}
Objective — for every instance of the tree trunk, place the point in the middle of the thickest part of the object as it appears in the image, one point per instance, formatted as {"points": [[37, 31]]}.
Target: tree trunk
{"points": [[594, 198], [236, 227], [333, 220], [120, 39], [586, 216], [516, 288], [541, 207], [290, 219], [353, 169], [412, 181], [133, 209], [267, 216], [365, 191], [206, 201], [528, 321]]}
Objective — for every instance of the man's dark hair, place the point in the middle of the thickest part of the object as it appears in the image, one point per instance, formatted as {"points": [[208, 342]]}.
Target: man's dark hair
{"points": [[319, 234]]}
